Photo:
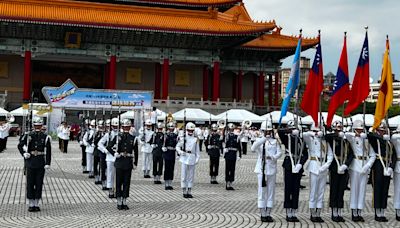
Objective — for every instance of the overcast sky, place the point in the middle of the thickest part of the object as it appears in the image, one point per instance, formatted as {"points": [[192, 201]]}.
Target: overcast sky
{"points": [[334, 17]]}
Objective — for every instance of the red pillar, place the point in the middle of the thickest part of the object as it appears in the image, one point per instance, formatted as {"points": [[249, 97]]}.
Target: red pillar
{"points": [[216, 78], [270, 89], [239, 85], [165, 79], [261, 89], [27, 77], [255, 88], [113, 72], [157, 81], [205, 82], [276, 89]]}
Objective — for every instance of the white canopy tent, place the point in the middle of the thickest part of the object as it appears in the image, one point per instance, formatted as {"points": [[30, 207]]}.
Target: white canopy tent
{"points": [[193, 114], [369, 119], [3, 112], [238, 115], [131, 115], [394, 121], [276, 115], [309, 120], [25, 112]]}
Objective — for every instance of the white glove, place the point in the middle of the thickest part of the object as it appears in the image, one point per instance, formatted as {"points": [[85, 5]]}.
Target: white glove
{"points": [[363, 135], [297, 168], [388, 172], [209, 147], [134, 167], [295, 132], [342, 168], [116, 155], [153, 146], [323, 168], [386, 137], [164, 149], [341, 134], [365, 169], [226, 150], [47, 167], [25, 148], [80, 143], [320, 134], [238, 158], [27, 155]]}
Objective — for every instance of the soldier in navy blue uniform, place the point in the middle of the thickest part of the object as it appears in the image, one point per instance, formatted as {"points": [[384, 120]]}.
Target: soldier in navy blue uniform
{"points": [[213, 145], [82, 132], [97, 169], [126, 158], [157, 142], [169, 155], [232, 147], [292, 170], [338, 171], [35, 147]]}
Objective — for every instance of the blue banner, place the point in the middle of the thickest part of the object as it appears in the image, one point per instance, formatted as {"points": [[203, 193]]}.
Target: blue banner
{"points": [[69, 96]]}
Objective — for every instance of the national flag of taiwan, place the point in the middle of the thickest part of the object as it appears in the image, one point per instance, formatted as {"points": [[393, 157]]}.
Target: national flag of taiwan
{"points": [[341, 90], [385, 96], [360, 87], [294, 81], [315, 84]]}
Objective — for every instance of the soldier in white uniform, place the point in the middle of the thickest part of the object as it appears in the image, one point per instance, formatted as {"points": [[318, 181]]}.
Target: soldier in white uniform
{"points": [[63, 134], [145, 136], [320, 159], [88, 142], [269, 151], [359, 169], [105, 146], [4, 132], [396, 171], [245, 135], [189, 152]]}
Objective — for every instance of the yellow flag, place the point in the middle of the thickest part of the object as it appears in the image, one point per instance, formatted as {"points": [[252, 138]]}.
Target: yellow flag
{"points": [[385, 96]]}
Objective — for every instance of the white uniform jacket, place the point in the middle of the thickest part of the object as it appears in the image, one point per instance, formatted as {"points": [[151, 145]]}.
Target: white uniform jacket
{"points": [[146, 146], [4, 130], [103, 143], [361, 156], [396, 144], [89, 136], [272, 153], [318, 164], [191, 154], [245, 136]]}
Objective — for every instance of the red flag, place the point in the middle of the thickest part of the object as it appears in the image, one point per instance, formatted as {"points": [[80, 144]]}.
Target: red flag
{"points": [[341, 90], [360, 88], [315, 84]]}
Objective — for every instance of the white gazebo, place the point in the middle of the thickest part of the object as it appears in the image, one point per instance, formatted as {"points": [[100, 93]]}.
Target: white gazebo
{"points": [[276, 115], [193, 114], [238, 115]]}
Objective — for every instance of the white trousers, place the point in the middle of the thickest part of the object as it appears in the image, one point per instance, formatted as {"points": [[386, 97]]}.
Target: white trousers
{"points": [[89, 162], [110, 174], [358, 185], [396, 198], [317, 189], [187, 176], [266, 195], [147, 160]]}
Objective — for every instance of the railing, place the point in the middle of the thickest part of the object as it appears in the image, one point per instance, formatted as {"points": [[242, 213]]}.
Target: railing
{"points": [[3, 99]]}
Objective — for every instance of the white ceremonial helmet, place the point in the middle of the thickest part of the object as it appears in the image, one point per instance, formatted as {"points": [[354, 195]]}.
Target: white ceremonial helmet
{"points": [[337, 125], [87, 121], [108, 122], [231, 126], [93, 123], [214, 127], [314, 128], [358, 124], [114, 122], [148, 122], [190, 126], [383, 126], [100, 123], [171, 125], [126, 123], [37, 121], [160, 125], [266, 125], [291, 124]]}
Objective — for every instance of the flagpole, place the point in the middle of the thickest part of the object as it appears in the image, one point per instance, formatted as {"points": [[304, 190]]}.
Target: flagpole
{"points": [[320, 95], [296, 108], [364, 104], [387, 113]]}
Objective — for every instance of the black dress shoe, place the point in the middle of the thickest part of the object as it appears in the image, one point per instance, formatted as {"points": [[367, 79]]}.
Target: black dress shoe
{"points": [[355, 218], [313, 219], [263, 219], [295, 219], [289, 219], [185, 196], [119, 207], [125, 207], [31, 209], [397, 218], [361, 219], [104, 188], [147, 176], [189, 196], [341, 219], [97, 182], [320, 220], [85, 172], [384, 219], [302, 187], [91, 177], [111, 196], [37, 208], [270, 219], [215, 182]]}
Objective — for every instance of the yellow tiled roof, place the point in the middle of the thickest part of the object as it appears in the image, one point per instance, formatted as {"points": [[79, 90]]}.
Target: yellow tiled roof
{"points": [[191, 2], [279, 42], [89, 14]]}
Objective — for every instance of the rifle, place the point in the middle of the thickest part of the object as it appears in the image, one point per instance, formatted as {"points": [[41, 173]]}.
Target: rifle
{"points": [[263, 181], [143, 124], [184, 130]]}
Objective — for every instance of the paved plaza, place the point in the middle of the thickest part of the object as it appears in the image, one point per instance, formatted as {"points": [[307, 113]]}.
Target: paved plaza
{"points": [[70, 199]]}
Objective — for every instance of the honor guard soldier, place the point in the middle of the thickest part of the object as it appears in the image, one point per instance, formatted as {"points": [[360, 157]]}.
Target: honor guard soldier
{"points": [[359, 169], [189, 155], [145, 136], [157, 143], [103, 157], [381, 169], [396, 171], [97, 170], [213, 144], [245, 136], [124, 148], [83, 130], [169, 155], [295, 156], [269, 151], [232, 146], [105, 145], [338, 173], [88, 141], [320, 160], [35, 147], [4, 132]]}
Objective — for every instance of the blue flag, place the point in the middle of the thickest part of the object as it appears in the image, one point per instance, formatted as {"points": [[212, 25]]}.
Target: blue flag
{"points": [[294, 81]]}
